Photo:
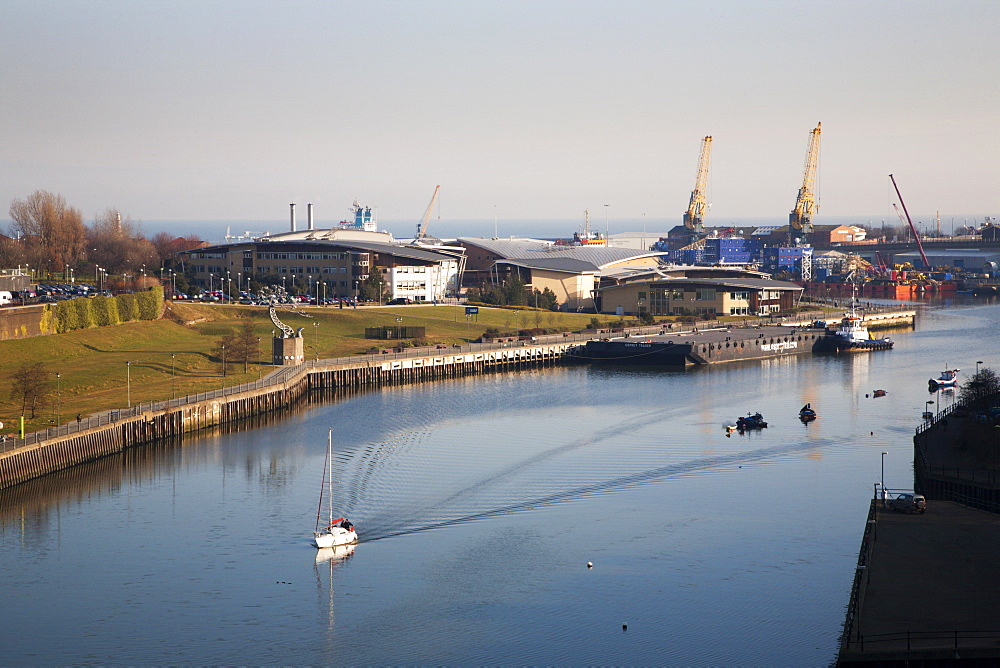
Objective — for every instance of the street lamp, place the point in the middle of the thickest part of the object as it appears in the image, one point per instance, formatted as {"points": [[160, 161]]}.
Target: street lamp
{"points": [[977, 368], [884, 453], [58, 399], [210, 285], [128, 383], [607, 228], [173, 376], [223, 360]]}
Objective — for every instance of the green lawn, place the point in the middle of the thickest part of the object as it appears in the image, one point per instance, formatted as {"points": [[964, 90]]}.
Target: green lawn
{"points": [[94, 375]]}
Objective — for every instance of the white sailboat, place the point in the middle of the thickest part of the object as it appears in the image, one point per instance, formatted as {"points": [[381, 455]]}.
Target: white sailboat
{"points": [[337, 531]]}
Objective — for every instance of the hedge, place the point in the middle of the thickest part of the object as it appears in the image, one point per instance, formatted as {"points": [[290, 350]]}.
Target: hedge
{"points": [[101, 311]]}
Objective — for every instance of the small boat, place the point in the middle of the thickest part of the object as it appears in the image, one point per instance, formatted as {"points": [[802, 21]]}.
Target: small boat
{"points": [[337, 532], [878, 393], [755, 421], [948, 378], [807, 414]]}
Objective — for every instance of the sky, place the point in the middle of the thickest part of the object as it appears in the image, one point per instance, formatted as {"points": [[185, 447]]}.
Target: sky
{"points": [[230, 110]]}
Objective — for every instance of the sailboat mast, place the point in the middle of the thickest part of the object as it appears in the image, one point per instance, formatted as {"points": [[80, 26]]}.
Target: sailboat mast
{"points": [[322, 486], [329, 476]]}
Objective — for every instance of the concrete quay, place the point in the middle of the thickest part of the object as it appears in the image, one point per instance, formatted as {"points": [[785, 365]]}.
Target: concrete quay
{"points": [[925, 591]]}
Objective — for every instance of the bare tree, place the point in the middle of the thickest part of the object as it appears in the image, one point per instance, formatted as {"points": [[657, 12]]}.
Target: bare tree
{"points": [[240, 346], [30, 385], [51, 231], [117, 244], [984, 385]]}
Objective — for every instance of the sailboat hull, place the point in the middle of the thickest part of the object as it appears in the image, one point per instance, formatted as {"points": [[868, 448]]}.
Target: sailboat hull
{"points": [[334, 537]]}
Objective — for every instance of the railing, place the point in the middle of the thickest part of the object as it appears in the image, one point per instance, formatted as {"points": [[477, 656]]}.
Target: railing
{"points": [[285, 374], [923, 640], [853, 618]]}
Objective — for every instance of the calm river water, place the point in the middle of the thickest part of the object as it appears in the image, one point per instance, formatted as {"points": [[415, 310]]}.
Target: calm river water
{"points": [[479, 502]]}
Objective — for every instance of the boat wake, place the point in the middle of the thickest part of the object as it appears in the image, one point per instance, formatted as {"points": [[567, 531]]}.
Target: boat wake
{"points": [[382, 527]]}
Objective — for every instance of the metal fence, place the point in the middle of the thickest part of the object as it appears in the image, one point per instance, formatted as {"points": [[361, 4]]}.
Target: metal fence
{"points": [[286, 374]]}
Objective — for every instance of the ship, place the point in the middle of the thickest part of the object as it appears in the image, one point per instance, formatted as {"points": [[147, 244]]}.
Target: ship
{"points": [[852, 336]]}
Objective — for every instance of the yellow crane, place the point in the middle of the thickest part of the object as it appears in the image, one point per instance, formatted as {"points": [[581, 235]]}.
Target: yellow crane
{"points": [[697, 207], [800, 219], [422, 225]]}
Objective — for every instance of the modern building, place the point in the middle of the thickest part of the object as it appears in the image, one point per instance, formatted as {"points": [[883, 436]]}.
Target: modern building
{"points": [[570, 272], [700, 296], [333, 263]]}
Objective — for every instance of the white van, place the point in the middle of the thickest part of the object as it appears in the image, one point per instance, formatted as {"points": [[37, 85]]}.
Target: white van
{"points": [[6, 298]]}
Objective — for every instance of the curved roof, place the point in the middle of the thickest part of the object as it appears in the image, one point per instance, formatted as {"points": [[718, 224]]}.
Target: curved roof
{"points": [[540, 254]]}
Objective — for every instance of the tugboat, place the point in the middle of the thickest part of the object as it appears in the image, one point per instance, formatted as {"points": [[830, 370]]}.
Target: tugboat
{"points": [[807, 414], [755, 421], [852, 336], [948, 378]]}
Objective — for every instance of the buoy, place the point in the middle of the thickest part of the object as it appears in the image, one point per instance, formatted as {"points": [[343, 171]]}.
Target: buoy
{"points": [[624, 627], [590, 564]]}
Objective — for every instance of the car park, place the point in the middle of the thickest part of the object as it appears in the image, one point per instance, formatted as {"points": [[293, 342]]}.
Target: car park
{"points": [[908, 503]]}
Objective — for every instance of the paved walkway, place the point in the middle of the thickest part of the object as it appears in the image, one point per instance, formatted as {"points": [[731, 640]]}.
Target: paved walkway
{"points": [[930, 592]]}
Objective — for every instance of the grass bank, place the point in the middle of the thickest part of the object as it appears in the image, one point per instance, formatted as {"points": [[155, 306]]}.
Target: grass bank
{"points": [[107, 367]]}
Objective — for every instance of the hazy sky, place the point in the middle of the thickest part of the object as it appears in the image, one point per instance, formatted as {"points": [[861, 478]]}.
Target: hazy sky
{"points": [[214, 109]]}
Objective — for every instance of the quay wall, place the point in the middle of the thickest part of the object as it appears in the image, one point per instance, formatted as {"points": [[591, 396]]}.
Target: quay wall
{"points": [[118, 430]]}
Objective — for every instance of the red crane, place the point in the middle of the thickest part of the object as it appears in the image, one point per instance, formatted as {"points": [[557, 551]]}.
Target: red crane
{"points": [[909, 222]]}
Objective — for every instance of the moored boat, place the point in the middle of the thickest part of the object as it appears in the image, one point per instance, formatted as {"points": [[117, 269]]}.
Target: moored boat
{"points": [[754, 421], [806, 413], [948, 378], [852, 336]]}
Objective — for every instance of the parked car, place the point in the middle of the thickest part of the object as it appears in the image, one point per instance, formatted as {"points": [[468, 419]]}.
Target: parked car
{"points": [[908, 503], [399, 300]]}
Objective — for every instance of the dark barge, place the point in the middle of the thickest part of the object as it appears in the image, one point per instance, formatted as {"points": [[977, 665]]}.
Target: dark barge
{"points": [[706, 347]]}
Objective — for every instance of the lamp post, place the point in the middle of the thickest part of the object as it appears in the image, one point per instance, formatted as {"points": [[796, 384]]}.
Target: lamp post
{"points": [[929, 415], [223, 360], [210, 285], [884, 453], [259, 363], [58, 399], [977, 368], [128, 383], [607, 227], [173, 376]]}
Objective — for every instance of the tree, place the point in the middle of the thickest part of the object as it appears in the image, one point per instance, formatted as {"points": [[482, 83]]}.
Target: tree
{"points": [[240, 346], [984, 384], [117, 244], [373, 287], [52, 232], [30, 385]]}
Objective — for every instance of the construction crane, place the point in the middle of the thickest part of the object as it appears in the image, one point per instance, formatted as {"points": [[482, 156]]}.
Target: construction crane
{"points": [[800, 219], [422, 225], [698, 206], [920, 246]]}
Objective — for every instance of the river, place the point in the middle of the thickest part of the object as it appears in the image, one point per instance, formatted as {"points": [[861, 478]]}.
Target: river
{"points": [[480, 502]]}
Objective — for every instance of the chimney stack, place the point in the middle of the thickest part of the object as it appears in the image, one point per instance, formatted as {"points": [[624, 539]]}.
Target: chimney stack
{"points": [[292, 205], [311, 216]]}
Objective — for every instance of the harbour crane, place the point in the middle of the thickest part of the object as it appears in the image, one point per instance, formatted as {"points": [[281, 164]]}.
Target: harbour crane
{"points": [[422, 225], [800, 219], [697, 207], [920, 246]]}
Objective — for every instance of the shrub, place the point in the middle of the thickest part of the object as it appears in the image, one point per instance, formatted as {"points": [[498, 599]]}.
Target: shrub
{"points": [[84, 313], [128, 307], [150, 303], [105, 310], [67, 317]]}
